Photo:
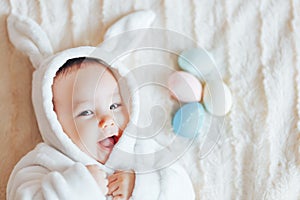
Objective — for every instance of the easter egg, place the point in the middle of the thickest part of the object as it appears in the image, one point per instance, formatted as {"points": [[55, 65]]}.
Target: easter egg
{"points": [[197, 61], [217, 98], [185, 87], [188, 119]]}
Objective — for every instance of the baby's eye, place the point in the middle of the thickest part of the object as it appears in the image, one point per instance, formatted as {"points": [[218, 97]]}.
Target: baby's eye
{"points": [[86, 113], [114, 106]]}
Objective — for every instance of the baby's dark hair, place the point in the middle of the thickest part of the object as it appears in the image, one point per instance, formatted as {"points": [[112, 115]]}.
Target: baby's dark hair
{"points": [[76, 63]]}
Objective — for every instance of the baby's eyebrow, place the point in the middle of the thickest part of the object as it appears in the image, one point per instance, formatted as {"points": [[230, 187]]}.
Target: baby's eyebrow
{"points": [[114, 91], [78, 102], [116, 94]]}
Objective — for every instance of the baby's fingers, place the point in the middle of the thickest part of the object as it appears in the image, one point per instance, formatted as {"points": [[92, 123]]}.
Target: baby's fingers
{"points": [[120, 197], [112, 178], [118, 192], [112, 188]]}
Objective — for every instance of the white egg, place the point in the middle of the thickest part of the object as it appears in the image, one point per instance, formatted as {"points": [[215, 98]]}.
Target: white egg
{"points": [[217, 98]]}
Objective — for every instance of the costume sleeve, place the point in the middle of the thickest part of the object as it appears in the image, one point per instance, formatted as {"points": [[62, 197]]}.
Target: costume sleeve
{"points": [[168, 183], [36, 183], [176, 184], [147, 186]]}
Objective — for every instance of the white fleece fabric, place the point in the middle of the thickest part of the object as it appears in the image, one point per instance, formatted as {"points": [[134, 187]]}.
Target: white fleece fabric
{"points": [[256, 46], [55, 169]]}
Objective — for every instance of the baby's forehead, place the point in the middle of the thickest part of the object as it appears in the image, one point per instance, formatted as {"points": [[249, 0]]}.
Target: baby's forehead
{"points": [[82, 71], [86, 81]]}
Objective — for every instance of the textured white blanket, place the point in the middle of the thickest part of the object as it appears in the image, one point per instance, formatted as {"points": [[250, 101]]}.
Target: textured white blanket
{"points": [[256, 45]]}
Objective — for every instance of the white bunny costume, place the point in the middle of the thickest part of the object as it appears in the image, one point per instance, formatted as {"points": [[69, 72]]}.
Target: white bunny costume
{"points": [[55, 169]]}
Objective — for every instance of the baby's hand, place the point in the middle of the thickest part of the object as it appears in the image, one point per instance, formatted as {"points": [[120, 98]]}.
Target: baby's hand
{"points": [[99, 176], [121, 184]]}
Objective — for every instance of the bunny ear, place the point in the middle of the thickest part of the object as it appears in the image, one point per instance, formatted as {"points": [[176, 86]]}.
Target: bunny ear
{"points": [[133, 21], [115, 40], [27, 36]]}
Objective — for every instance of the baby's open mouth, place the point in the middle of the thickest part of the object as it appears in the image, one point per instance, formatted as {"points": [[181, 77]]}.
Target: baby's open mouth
{"points": [[109, 142]]}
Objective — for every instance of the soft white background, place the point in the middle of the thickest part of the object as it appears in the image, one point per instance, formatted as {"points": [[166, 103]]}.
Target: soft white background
{"points": [[256, 46]]}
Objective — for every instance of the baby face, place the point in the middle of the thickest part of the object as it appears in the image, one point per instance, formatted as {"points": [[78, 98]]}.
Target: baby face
{"points": [[90, 109]]}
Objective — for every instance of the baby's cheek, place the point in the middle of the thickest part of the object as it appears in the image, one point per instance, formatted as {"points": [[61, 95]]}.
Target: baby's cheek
{"points": [[86, 130], [121, 119]]}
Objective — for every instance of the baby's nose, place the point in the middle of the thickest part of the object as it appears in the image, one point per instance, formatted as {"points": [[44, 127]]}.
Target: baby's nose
{"points": [[106, 122]]}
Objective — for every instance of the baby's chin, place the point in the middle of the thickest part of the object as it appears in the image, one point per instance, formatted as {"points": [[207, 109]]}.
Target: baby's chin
{"points": [[105, 147]]}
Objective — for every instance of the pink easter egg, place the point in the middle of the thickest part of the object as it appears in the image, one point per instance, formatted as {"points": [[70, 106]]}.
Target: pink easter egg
{"points": [[184, 87]]}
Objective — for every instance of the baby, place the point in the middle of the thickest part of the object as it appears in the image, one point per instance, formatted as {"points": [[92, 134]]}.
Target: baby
{"points": [[89, 107], [80, 126], [85, 117]]}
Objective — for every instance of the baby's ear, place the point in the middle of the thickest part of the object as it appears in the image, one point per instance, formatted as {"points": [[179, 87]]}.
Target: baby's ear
{"points": [[122, 34], [28, 37]]}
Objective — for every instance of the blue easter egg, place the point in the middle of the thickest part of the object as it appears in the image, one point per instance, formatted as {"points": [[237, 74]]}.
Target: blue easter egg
{"points": [[188, 120]]}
